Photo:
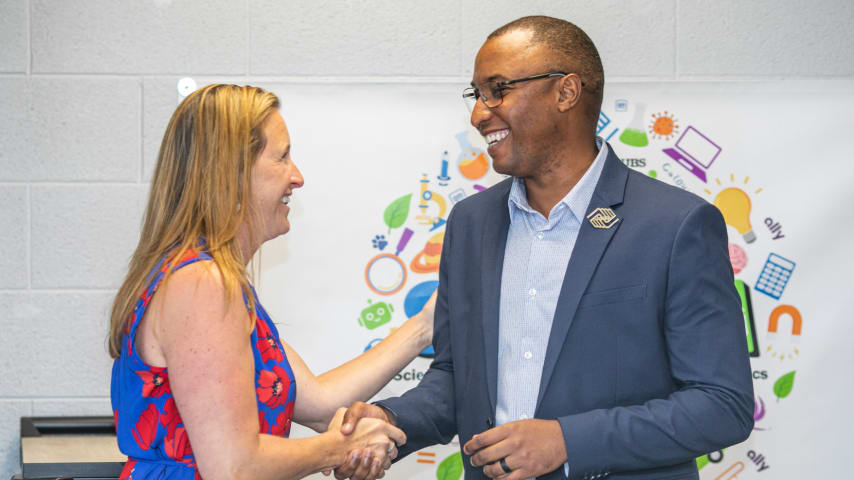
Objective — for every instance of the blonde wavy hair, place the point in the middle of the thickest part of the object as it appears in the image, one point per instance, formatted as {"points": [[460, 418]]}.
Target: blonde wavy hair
{"points": [[201, 179]]}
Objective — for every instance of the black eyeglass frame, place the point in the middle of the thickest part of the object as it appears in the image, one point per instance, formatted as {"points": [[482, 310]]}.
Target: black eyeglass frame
{"points": [[474, 92]]}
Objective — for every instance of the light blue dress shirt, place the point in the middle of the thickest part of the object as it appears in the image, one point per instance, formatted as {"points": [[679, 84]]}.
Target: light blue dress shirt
{"points": [[535, 260]]}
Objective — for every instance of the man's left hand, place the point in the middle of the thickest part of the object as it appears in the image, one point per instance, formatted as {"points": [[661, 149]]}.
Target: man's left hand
{"points": [[530, 448]]}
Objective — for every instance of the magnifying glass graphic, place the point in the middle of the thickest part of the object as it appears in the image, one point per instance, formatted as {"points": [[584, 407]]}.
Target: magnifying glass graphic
{"points": [[385, 274]]}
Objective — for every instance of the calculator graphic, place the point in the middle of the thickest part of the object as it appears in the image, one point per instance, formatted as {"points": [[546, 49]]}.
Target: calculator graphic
{"points": [[775, 275]]}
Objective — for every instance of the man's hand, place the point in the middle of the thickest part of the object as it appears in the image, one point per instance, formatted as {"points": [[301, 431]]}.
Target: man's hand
{"points": [[362, 464], [359, 410], [529, 448]]}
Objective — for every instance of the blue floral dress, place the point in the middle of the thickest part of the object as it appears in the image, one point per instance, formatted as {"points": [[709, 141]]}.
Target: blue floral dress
{"points": [[149, 428]]}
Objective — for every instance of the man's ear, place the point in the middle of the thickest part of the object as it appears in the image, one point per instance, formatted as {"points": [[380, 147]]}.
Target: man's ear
{"points": [[570, 92]]}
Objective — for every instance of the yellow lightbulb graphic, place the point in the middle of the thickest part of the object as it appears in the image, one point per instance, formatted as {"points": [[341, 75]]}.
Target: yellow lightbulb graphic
{"points": [[735, 206]]}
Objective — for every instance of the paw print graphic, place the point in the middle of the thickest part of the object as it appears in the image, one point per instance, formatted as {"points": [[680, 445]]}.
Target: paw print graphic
{"points": [[379, 242]]}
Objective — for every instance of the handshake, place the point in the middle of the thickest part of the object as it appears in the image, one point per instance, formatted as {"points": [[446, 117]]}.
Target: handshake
{"points": [[512, 451], [368, 435]]}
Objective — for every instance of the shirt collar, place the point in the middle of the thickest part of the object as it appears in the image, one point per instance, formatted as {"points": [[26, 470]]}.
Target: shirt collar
{"points": [[578, 198]]}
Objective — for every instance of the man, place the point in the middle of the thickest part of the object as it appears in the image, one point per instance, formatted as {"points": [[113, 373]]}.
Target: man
{"points": [[587, 324]]}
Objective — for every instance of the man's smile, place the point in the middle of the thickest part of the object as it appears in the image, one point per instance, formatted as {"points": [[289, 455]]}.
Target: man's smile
{"points": [[493, 138]]}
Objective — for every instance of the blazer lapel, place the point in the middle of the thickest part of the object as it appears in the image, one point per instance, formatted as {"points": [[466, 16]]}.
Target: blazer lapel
{"points": [[495, 228], [589, 248]]}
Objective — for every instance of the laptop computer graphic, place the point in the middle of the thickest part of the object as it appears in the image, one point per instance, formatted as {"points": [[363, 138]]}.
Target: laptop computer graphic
{"points": [[694, 151]]}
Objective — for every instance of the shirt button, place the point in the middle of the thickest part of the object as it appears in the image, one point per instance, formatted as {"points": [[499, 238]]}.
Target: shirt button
{"points": [[528, 355], [540, 235], [532, 292], [523, 416]]}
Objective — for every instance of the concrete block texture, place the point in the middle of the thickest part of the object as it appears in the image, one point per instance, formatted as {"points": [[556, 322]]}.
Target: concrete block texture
{"points": [[355, 37], [160, 36], [766, 37], [15, 156], [54, 344], [72, 407], [13, 36], [634, 37], [14, 262], [83, 235], [11, 412], [69, 129]]}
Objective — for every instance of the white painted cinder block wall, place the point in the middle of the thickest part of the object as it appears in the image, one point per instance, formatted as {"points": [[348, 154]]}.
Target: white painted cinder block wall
{"points": [[82, 110]]}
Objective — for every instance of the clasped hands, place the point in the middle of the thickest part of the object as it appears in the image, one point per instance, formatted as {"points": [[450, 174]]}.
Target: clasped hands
{"points": [[373, 441], [528, 448]]}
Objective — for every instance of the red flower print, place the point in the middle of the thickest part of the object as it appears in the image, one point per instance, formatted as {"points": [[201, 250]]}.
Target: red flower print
{"points": [[146, 427], [267, 343], [156, 382], [262, 422], [127, 471], [177, 446], [273, 386], [170, 418], [189, 254], [148, 293], [279, 427], [282, 426], [289, 414], [146, 298]]}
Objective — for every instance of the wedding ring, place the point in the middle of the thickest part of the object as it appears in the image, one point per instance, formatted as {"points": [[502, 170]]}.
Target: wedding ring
{"points": [[390, 449], [504, 466]]}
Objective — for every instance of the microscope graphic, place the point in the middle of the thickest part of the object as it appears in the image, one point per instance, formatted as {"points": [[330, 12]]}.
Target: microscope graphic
{"points": [[430, 196]]}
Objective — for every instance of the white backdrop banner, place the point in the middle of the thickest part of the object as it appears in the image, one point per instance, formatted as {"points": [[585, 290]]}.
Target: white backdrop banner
{"points": [[384, 164]]}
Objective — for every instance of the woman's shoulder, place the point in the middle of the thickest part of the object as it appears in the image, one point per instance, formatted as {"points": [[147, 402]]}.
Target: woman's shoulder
{"points": [[201, 275], [195, 303], [197, 289]]}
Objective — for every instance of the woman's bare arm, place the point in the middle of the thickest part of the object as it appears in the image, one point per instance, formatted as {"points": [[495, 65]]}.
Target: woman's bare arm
{"points": [[362, 377], [204, 338]]}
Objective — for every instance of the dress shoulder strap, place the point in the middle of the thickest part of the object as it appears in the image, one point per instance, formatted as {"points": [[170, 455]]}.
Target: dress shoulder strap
{"points": [[156, 276]]}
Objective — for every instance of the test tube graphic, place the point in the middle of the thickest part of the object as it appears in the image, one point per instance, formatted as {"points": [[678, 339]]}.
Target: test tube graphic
{"points": [[444, 178], [404, 240]]}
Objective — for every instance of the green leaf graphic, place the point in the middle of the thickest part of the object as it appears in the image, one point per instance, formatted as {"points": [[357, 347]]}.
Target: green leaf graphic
{"points": [[783, 385], [451, 468], [395, 214]]}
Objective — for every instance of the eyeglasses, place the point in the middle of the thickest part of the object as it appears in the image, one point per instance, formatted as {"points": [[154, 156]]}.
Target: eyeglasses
{"points": [[492, 93]]}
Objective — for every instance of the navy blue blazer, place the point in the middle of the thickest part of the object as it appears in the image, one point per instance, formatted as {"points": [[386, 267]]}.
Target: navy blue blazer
{"points": [[646, 366]]}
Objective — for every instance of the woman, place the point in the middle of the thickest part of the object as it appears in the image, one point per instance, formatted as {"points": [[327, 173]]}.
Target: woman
{"points": [[202, 385]]}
